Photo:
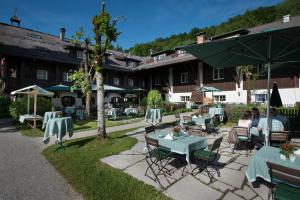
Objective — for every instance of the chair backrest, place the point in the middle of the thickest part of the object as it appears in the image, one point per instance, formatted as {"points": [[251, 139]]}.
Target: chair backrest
{"points": [[149, 129], [284, 174], [295, 142], [151, 142], [241, 131], [216, 145], [187, 118], [278, 136]]}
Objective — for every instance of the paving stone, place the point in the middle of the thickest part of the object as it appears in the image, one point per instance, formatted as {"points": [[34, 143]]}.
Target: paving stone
{"points": [[257, 198], [122, 161], [203, 177], [139, 137], [231, 196], [243, 160], [231, 177], [129, 152], [262, 190], [138, 171], [234, 165], [190, 188], [221, 186], [139, 147], [244, 169], [225, 159], [247, 193]]}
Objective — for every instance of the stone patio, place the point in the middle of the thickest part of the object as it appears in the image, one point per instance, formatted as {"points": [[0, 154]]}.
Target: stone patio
{"points": [[231, 185]]}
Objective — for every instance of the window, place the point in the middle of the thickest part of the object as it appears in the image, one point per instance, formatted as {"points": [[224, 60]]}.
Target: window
{"points": [[218, 73], [185, 98], [79, 54], [184, 77], [162, 56], [12, 72], [116, 81], [219, 97], [130, 82], [181, 52], [143, 84], [42, 74], [67, 77], [131, 64], [156, 79], [260, 98]]}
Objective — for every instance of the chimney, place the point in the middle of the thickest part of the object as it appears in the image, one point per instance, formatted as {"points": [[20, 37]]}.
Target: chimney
{"points": [[286, 18], [200, 37], [151, 52], [15, 19], [62, 33]]}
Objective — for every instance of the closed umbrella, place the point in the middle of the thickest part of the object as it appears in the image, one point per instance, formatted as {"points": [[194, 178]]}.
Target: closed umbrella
{"points": [[268, 47], [275, 100]]}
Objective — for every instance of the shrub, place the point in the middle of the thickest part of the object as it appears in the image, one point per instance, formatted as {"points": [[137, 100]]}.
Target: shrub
{"points": [[4, 106], [154, 99], [19, 106]]}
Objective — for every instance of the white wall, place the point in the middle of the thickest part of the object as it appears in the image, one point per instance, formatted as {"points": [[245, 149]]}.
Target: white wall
{"points": [[56, 102], [175, 97]]}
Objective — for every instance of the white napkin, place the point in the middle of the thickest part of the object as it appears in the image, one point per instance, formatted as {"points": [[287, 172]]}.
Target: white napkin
{"points": [[168, 137], [194, 116], [297, 152]]}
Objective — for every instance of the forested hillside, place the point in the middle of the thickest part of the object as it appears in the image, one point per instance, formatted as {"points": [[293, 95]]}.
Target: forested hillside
{"points": [[249, 19]]}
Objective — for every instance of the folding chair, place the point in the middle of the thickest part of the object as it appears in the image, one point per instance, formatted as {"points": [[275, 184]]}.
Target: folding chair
{"points": [[177, 117], [295, 142], [196, 130], [149, 129], [276, 138], [187, 121], [207, 158], [155, 157], [286, 181], [243, 136]]}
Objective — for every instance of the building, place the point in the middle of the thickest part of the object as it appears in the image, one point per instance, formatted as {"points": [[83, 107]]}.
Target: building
{"points": [[38, 58], [177, 74]]}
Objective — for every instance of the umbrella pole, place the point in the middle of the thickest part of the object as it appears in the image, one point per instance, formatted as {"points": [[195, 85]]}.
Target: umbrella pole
{"points": [[28, 103], [268, 95], [35, 98]]}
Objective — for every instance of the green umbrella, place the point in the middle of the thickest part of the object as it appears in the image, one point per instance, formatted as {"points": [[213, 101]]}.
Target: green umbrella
{"points": [[59, 87], [208, 89], [269, 47]]}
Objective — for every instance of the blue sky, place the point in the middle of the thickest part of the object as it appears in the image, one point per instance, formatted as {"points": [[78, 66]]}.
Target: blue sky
{"points": [[145, 19]]}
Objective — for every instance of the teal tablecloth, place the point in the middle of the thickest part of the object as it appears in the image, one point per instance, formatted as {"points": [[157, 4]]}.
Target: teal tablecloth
{"points": [[58, 127], [258, 163], [199, 120], [80, 113], [24, 117], [154, 115], [216, 111], [182, 145], [128, 111], [47, 117], [112, 113], [69, 110]]}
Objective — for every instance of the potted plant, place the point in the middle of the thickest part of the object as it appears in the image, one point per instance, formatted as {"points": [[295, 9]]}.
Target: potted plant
{"points": [[287, 152], [176, 131]]}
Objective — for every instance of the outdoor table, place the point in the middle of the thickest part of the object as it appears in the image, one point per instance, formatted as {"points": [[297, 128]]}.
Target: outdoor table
{"points": [[184, 144], [216, 111], [128, 111], [154, 115], [258, 163], [113, 113], [80, 114], [58, 127], [29, 117], [199, 120], [69, 110], [47, 117]]}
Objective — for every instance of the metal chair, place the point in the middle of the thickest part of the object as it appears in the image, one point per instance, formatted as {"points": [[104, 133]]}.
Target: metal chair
{"points": [[155, 157], [243, 136], [149, 129], [207, 158], [276, 138], [295, 142], [177, 117], [286, 181], [196, 130]]}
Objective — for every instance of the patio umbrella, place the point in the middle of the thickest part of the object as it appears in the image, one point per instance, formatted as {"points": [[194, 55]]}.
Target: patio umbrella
{"points": [[109, 88], [269, 47], [139, 90], [59, 88], [275, 100]]}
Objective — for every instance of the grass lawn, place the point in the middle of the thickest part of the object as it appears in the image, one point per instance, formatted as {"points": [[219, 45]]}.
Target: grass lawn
{"points": [[83, 125], [79, 163]]}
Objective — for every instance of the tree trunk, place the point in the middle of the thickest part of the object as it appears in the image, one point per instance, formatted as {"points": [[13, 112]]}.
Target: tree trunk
{"points": [[100, 106], [88, 99], [248, 96]]}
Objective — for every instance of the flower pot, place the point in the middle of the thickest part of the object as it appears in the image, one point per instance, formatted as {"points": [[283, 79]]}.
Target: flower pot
{"points": [[282, 157], [292, 157]]}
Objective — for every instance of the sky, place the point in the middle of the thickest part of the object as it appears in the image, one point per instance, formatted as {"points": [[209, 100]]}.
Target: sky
{"points": [[143, 20]]}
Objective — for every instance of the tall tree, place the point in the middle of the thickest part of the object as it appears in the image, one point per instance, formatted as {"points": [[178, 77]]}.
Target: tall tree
{"points": [[105, 33], [83, 78], [248, 71]]}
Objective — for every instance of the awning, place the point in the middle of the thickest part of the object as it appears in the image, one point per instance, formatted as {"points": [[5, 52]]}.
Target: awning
{"points": [[208, 89], [108, 88], [33, 89], [59, 87]]}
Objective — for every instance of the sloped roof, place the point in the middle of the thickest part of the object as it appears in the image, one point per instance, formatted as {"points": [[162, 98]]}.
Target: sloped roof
{"points": [[33, 89]]}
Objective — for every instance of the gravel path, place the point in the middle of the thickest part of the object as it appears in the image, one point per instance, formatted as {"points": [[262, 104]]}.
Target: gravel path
{"points": [[24, 172]]}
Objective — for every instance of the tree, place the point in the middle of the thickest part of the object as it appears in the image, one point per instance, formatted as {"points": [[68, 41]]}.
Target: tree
{"points": [[105, 33], [2, 75], [154, 99], [83, 78], [249, 73]]}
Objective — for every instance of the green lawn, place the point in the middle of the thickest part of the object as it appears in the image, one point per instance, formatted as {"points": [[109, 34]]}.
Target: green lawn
{"points": [[79, 163], [83, 125]]}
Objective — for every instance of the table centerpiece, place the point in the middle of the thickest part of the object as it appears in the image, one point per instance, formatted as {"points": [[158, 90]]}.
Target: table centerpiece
{"points": [[287, 152], [176, 131]]}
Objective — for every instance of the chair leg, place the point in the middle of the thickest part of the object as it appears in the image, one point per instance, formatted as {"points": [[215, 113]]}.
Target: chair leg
{"points": [[156, 179]]}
